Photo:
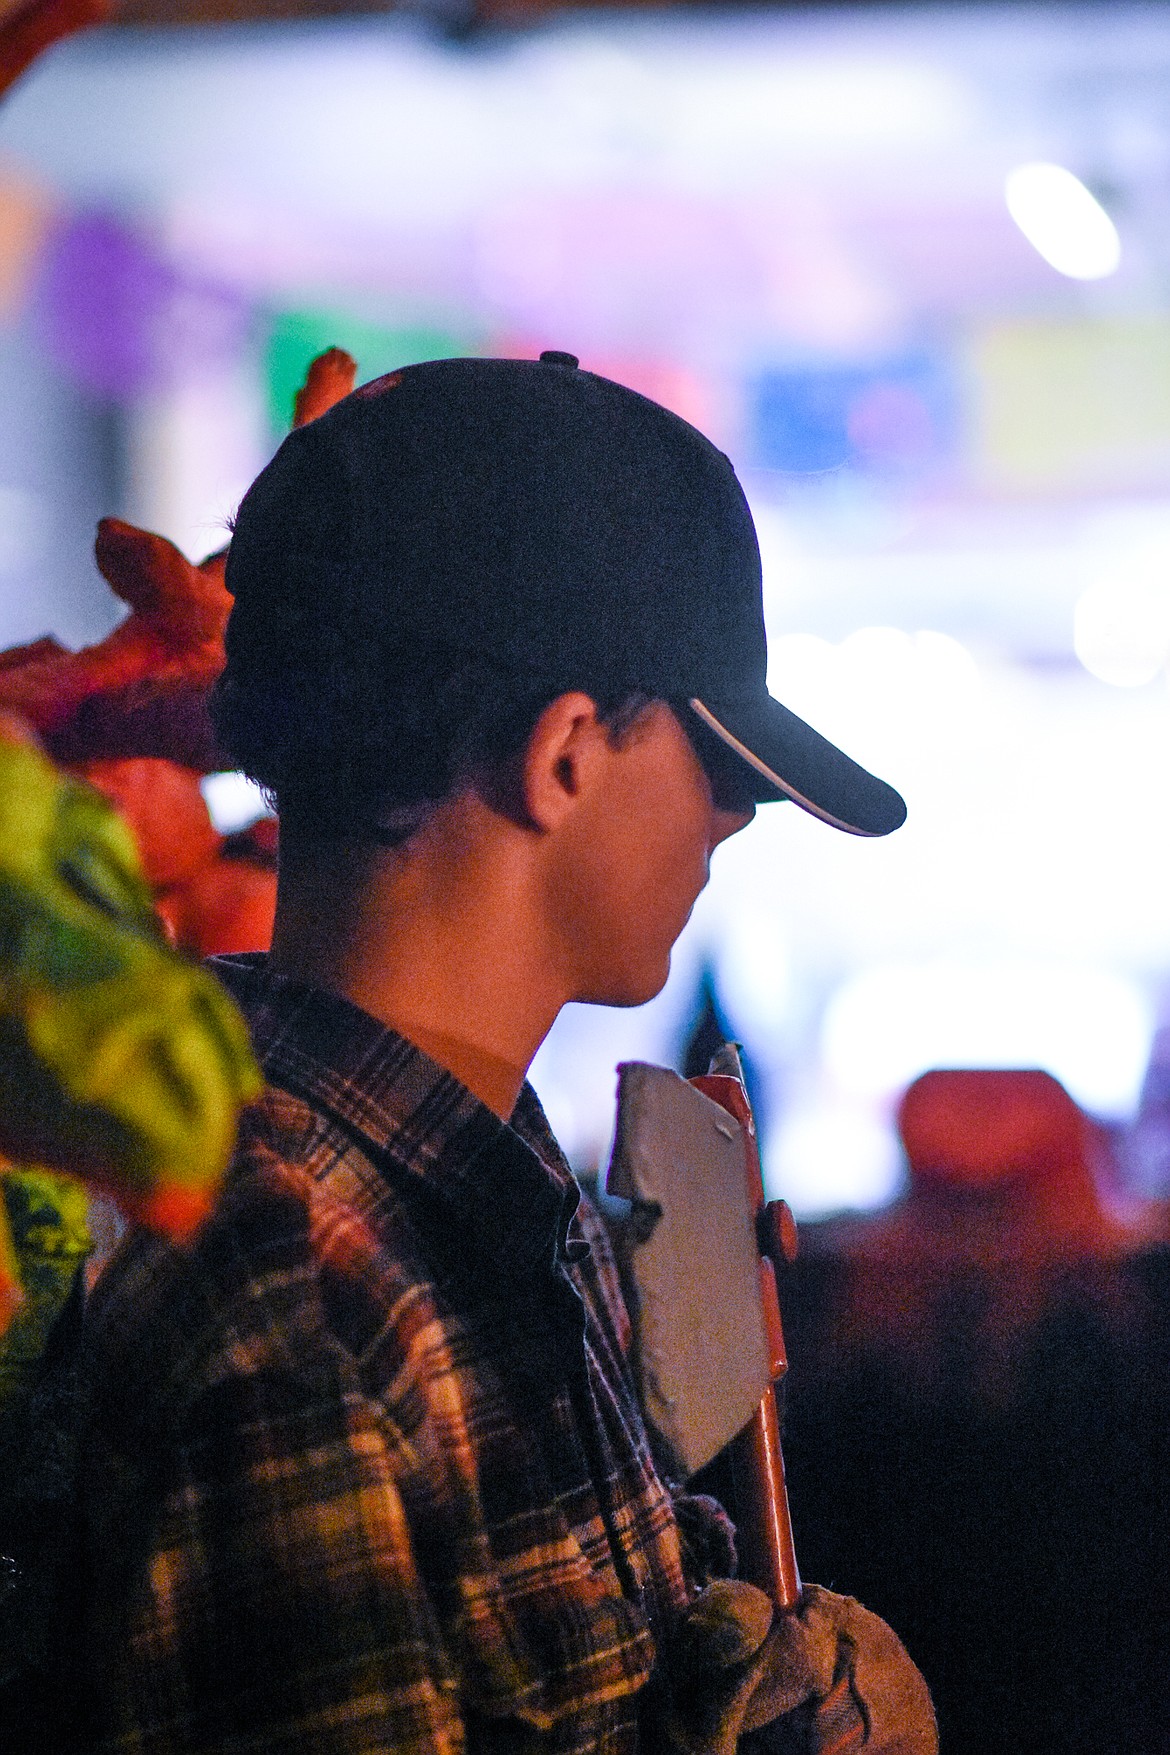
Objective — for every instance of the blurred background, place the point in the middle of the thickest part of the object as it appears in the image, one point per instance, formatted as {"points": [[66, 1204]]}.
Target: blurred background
{"points": [[909, 266]]}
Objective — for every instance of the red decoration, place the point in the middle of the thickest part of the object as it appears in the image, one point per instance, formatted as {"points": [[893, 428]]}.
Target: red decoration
{"points": [[977, 1127], [30, 30]]}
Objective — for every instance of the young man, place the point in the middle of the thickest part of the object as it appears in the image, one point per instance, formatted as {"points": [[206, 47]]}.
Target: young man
{"points": [[364, 1468]]}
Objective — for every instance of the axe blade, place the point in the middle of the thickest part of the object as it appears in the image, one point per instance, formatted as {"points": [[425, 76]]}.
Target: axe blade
{"points": [[702, 1346]]}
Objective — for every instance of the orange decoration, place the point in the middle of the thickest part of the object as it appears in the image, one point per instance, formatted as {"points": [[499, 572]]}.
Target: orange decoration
{"points": [[11, 1296], [164, 807], [227, 905], [161, 659], [176, 1212], [330, 377], [129, 714]]}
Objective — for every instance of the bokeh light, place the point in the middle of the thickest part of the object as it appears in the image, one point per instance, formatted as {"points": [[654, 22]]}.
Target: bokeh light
{"points": [[1089, 1027], [789, 227], [1063, 221], [1121, 629]]}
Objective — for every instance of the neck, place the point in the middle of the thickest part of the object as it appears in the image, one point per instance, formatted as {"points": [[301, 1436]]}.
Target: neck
{"points": [[439, 940]]}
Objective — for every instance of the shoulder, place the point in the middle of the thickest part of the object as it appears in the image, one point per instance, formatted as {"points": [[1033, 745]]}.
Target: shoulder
{"points": [[311, 1260]]}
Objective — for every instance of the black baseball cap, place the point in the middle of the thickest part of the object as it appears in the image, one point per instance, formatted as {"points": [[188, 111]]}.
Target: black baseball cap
{"points": [[550, 521]]}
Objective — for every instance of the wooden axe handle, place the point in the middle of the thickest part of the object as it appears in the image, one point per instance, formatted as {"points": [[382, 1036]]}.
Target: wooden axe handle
{"points": [[763, 1523]]}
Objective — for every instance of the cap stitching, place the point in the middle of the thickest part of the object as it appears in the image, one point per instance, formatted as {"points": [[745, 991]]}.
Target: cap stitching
{"points": [[761, 767]]}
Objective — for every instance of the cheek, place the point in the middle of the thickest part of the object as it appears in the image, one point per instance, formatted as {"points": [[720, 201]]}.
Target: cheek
{"points": [[620, 909], [654, 892], [673, 879]]}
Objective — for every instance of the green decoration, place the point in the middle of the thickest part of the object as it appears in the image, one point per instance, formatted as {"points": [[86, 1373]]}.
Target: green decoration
{"points": [[297, 337], [121, 1061], [48, 1221]]}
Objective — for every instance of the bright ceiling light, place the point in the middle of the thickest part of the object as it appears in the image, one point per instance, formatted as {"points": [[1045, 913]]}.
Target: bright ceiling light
{"points": [[1060, 219]]}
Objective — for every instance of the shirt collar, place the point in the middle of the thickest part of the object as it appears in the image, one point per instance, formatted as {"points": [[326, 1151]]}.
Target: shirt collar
{"points": [[508, 1184]]}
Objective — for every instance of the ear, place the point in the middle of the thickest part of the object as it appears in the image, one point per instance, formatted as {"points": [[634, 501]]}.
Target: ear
{"points": [[564, 760]]}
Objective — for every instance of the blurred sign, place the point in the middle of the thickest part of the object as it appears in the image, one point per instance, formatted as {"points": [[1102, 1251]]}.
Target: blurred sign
{"points": [[121, 319], [897, 416], [1065, 405]]}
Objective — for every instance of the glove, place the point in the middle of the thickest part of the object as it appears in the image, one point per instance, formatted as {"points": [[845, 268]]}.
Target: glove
{"points": [[830, 1679]]}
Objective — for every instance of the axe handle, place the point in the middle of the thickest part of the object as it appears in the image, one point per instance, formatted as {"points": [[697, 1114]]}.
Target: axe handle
{"points": [[767, 1557], [763, 1524]]}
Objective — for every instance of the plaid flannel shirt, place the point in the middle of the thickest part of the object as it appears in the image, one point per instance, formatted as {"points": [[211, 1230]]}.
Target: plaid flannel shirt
{"points": [[363, 1467]]}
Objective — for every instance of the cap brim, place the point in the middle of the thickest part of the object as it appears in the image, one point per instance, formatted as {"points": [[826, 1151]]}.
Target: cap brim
{"points": [[791, 760]]}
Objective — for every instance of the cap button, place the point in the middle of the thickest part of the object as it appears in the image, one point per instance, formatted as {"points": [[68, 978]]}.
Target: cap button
{"points": [[551, 357]]}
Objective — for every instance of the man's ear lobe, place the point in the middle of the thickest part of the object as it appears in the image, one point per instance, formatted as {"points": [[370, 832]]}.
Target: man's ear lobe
{"points": [[561, 758]]}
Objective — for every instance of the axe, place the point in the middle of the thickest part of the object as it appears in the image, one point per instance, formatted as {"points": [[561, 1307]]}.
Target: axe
{"points": [[709, 1344]]}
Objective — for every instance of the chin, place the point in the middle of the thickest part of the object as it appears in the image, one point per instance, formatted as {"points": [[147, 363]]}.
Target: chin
{"points": [[630, 988]]}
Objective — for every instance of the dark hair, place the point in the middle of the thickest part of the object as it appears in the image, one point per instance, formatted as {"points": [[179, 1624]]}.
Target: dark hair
{"points": [[365, 755]]}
